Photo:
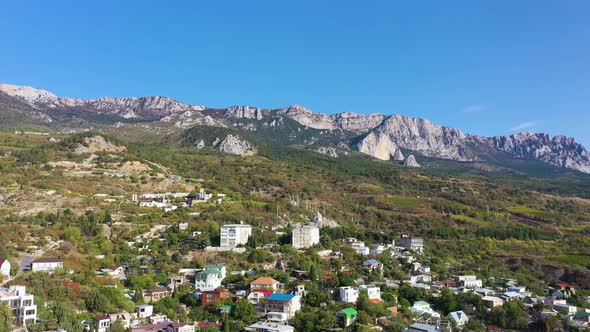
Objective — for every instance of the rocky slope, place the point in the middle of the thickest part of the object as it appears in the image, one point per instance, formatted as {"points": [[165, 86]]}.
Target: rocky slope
{"points": [[415, 134], [377, 135], [235, 145], [559, 150], [127, 108]]}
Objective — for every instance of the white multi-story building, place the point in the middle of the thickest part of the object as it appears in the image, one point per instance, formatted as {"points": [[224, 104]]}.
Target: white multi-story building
{"points": [[412, 243], [373, 292], [235, 234], [285, 303], [349, 294], [47, 264], [468, 281], [305, 236], [24, 310], [210, 278]]}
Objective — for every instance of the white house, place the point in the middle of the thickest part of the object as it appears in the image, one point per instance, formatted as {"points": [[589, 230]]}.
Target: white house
{"points": [[233, 235], [565, 309], [286, 303], [468, 281], [47, 264], [362, 250], [102, 323], [511, 296], [459, 317], [210, 278], [373, 264], [265, 283], [144, 310], [305, 236], [492, 301], [22, 305], [373, 292], [420, 278], [5, 267], [421, 308], [349, 294], [257, 295]]}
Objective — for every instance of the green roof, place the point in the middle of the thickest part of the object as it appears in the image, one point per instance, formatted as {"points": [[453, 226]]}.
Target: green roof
{"points": [[349, 312], [227, 306], [214, 266], [202, 275]]}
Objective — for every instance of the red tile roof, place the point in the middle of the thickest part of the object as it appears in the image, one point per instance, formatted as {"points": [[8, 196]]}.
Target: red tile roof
{"points": [[265, 281], [156, 290]]}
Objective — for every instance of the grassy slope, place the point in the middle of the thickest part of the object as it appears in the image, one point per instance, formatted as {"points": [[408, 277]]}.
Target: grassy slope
{"points": [[453, 211]]}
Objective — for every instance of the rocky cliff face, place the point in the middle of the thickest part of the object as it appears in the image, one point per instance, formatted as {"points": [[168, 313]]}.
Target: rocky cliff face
{"points": [[379, 145], [559, 151], [358, 123], [416, 134], [235, 145]]}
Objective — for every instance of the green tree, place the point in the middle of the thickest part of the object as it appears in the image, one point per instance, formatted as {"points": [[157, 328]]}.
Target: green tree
{"points": [[96, 301], [363, 302], [5, 318], [244, 310], [72, 233], [117, 327], [138, 296]]}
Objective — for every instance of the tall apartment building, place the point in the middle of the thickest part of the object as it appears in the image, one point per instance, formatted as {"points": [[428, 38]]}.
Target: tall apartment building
{"points": [[234, 235], [24, 311], [412, 243], [305, 236]]}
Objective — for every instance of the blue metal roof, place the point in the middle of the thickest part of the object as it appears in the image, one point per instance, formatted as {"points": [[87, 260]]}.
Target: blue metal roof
{"points": [[281, 297]]}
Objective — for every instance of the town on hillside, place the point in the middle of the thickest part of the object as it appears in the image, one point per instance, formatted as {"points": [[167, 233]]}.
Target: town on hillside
{"points": [[296, 286]]}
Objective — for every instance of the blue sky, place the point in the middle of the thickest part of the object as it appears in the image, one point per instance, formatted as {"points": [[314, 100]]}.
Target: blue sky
{"points": [[489, 68]]}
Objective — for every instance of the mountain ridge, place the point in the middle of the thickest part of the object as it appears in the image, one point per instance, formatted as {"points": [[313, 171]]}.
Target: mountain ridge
{"points": [[377, 135]]}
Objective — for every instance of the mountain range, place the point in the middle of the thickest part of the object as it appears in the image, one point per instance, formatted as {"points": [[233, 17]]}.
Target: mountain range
{"points": [[239, 129]]}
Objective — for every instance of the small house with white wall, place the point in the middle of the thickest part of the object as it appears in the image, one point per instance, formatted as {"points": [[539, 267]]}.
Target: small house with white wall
{"points": [[4, 267], [47, 264]]}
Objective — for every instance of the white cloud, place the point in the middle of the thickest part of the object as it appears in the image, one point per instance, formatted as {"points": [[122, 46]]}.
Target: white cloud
{"points": [[523, 125], [474, 108]]}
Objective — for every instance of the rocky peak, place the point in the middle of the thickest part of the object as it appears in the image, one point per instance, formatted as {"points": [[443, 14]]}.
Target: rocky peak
{"points": [[235, 145], [28, 94], [247, 112], [411, 161], [126, 107], [423, 136], [559, 151], [354, 122]]}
